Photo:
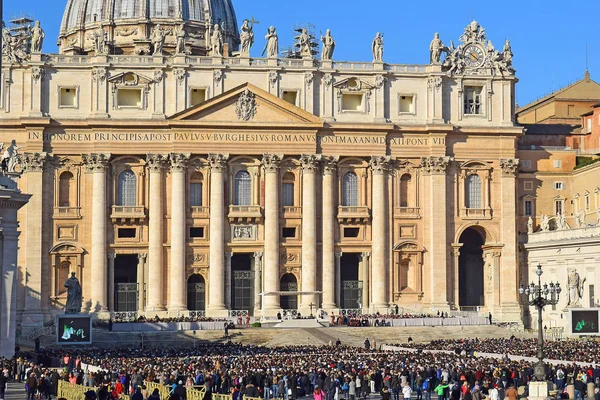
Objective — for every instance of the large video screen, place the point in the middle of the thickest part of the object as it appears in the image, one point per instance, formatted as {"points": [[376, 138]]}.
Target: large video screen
{"points": [[74, 329], [584, 322]]}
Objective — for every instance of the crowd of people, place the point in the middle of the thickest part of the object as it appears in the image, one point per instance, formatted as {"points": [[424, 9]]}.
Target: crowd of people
{"points": [[124, 317], [327, 372]]}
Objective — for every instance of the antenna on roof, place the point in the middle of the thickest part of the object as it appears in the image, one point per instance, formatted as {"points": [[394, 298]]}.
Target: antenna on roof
{"points": [[587, 72]]}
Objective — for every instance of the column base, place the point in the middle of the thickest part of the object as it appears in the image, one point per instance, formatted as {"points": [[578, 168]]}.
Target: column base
{"points": [[380, 307], [217, 313], [176, 308], [150, 309]]}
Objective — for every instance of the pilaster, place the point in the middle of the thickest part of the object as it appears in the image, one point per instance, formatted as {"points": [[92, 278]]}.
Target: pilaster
{"points": [[310, 166]]}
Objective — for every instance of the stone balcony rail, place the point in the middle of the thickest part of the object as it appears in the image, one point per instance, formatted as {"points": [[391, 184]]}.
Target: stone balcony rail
{"points": [[565, 234], [67, 212], [292, 212], [476, 213], [128, 213], [354, 213], [245, 213], [199, 211], [407, 212]]}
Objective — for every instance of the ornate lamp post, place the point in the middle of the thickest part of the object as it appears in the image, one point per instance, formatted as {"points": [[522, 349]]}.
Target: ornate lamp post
{"points": [[540, 296]]}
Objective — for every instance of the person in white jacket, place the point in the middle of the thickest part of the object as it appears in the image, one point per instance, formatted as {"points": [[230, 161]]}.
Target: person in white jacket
{"points": [[407, 392], [494, 394]]}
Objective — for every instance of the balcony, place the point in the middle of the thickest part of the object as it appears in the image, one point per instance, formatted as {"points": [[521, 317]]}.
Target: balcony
{"points": [[476, 213], [245, 213], [67, 213], [128, 214], [354, 214], [199, 211], [407, 212], [292, 212]]}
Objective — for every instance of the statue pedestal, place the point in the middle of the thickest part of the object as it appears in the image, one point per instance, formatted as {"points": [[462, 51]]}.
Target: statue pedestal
{"points": [[538, 391], [326, 64]]}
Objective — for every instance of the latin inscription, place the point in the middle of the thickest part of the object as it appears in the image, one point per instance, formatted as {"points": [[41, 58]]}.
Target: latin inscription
{"points": [[236, 138]]}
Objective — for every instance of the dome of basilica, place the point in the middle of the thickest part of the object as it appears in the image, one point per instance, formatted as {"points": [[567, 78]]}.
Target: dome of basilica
{"points": [[128, 24]]}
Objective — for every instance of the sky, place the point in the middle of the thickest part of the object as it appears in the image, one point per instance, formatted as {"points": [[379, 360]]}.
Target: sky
{"points": [[548, 37]]}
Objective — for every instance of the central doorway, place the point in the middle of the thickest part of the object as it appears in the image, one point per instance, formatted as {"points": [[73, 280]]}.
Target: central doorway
{"points": [[289, 283], [126, 284], [352, 286], [196, 293], [242, 285], [470, 273]]}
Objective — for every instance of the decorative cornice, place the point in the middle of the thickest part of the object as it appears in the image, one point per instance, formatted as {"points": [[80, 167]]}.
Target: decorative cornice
{"points": [[179, 161], [96, 162], [156, 162], [271, 162], [218, 162], [32, 162], [379, 164], [435, 165], [509, 166], [310, 163]]}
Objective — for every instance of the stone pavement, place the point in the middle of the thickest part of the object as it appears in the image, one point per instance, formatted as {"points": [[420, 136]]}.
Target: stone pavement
{"points": [[15, 391]]}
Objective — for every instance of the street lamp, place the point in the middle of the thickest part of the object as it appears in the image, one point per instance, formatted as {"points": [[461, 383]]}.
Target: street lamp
{"points": [[540, 296]]}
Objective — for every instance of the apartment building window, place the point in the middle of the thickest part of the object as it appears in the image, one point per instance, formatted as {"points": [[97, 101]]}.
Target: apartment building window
{"points": [[557, 163], [528, 208], [559, 185], [558, 207]]}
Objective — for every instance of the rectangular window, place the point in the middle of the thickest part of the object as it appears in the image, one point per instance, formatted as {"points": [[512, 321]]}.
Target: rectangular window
{"points": [[197, 96], [352, 102], [587, 203], [589, 124], [126, 233], [351, 232], [528, 185], [528, 208], [68, 97], [129, 98], [196, 232], [407, 104], [288, 195], [473, 105], [526, 164], [592, 296], [288, 232], [558, 207], [559, 185], [290, 96], [195, 195], [557, 163]]}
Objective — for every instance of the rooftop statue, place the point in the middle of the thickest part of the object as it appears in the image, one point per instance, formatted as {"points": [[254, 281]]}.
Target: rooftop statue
{"points": [[37, 38], [303, 41], [377, 48], [530, 225], [436, 48], [545, 223], [181, 36], [100, 38], [14, 47], [247, 37], [10, 157], [328, 46], [216, 42], [157, 37], [272, 46]]}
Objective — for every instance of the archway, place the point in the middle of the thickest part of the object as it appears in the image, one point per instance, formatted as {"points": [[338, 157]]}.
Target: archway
{"points": [[470, 272], [289, 283], [196, 293]]}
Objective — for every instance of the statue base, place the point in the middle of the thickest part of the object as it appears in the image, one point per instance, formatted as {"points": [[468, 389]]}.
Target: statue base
{"points": [[538, 390]]}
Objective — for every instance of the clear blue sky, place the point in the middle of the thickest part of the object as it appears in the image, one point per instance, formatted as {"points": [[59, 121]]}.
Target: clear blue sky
{"points": [[548, 37]]}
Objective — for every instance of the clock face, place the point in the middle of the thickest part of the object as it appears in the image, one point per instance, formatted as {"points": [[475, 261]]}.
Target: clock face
{"points": [[474, 56]]}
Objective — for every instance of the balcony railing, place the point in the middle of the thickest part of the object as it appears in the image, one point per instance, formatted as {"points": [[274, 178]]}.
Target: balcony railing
{"points": [[292, 212], [199, 211], [67, 212], [128, 212], [245, 213], [476, 213], [407, 212], [354, 213]]}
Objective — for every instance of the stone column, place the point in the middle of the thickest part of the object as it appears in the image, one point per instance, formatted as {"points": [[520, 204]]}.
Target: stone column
{"points": [[328, 248], [435, 168], [509, 261], [111, 281], [257, 279], [142, 279], [271, 164], [455, 281], [36, 263], [228, 280], [218, 165], [156, 163], [97, 164], [178, 232], [338, 279], [379, 167], [310, 166], [365, 278]]}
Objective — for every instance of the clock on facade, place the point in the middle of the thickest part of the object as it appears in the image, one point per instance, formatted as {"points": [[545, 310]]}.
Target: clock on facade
{"points": [[474, 56]]}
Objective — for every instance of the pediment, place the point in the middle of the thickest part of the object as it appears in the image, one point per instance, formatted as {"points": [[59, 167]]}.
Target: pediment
{"points": [[129, 79], [353, 85], [247, 104]]}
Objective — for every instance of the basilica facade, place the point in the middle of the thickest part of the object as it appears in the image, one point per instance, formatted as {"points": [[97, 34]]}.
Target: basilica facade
{"points": [[173, 173]]}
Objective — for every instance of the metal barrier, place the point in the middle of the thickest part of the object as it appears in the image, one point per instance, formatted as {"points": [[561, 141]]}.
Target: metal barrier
{"points": [[251, 398], [163, 391], [216, 396], [195, 394], [72, 392]]}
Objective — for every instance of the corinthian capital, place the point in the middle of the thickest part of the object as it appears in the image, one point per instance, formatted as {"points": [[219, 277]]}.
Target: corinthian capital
{"points": [[435, 165], [179, 161], [509, 166], [218, 162], [32, 162], [96, 162], [156, 162], [310, 162], [330, 164], [271, 162], [379, 164]]}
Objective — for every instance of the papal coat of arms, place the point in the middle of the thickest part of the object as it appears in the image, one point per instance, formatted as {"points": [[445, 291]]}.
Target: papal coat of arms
{"points": [[245, 108]]}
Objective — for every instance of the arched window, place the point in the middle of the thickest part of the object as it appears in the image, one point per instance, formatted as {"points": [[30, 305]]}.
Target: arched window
{"points": [[350, 189], [65, 186], [287, 190], [473, 192], [196, 291], [243, 189], [127, 189], [196, 190], [405, 181]]}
